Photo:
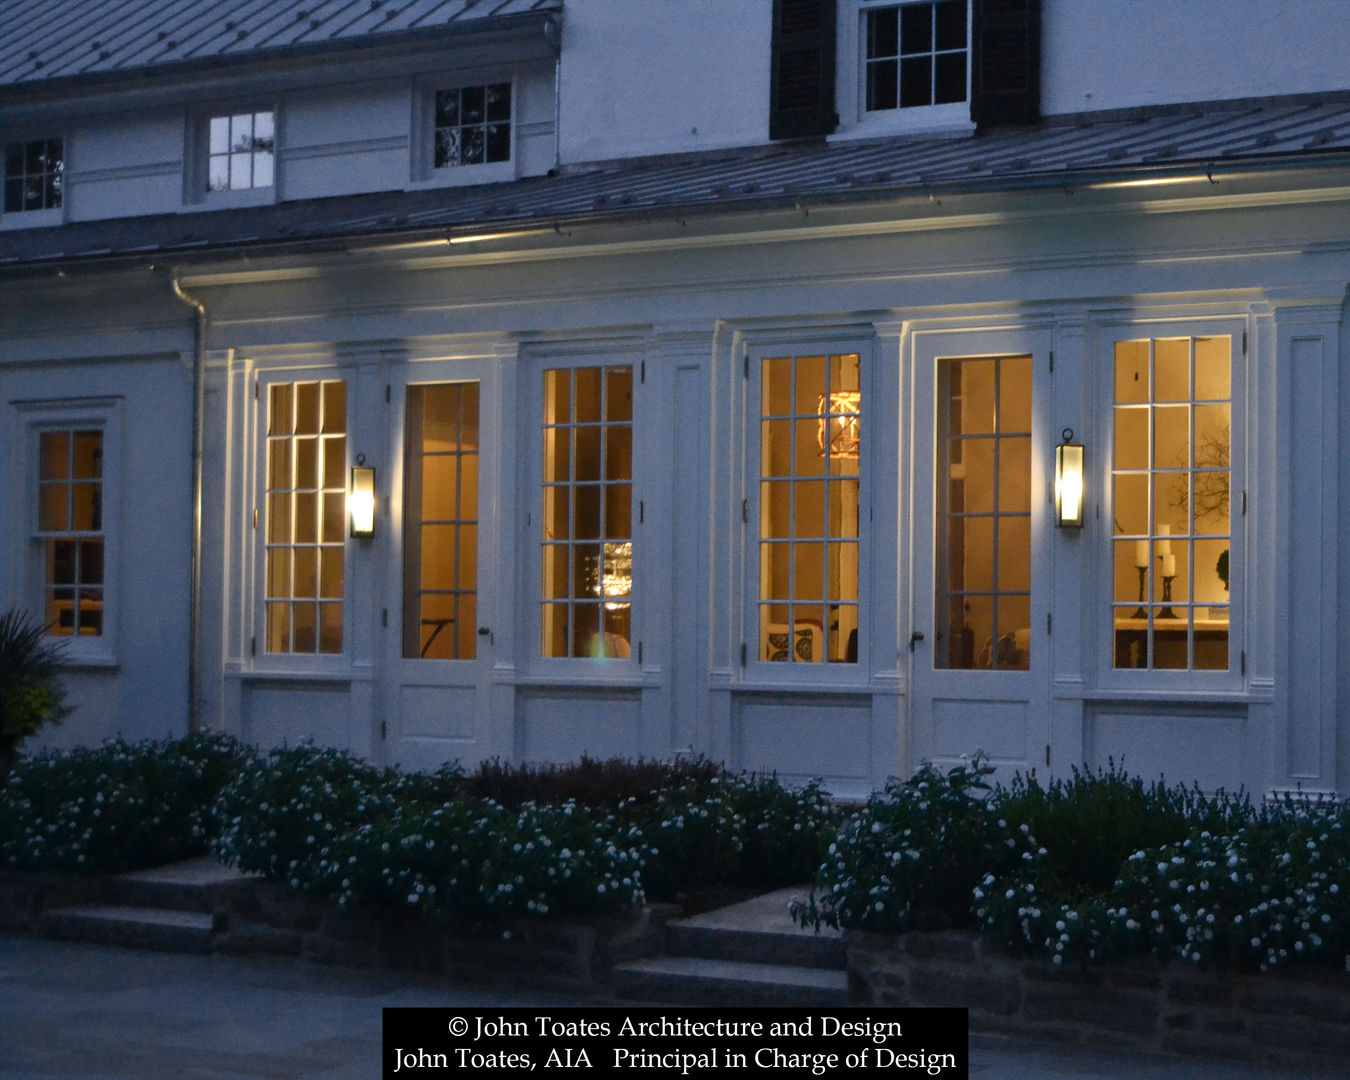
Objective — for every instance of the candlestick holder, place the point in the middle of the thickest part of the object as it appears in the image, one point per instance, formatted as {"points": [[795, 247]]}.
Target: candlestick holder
{"points": [[1166, 612], [1139, 612]]}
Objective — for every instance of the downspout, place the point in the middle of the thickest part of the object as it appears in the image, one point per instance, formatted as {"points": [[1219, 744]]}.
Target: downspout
{"points": [[198, 438]]}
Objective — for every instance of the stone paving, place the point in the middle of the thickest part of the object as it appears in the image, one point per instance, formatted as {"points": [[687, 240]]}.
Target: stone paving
{"points": [[84, 1012]]}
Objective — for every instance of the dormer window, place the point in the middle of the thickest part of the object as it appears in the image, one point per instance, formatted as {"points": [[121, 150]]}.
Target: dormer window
{"points": [[34, 175], [915, 55], [472, 126], [241, 152]]}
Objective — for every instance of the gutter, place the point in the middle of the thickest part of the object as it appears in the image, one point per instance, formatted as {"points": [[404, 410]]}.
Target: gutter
{"points": [[198, 446]]}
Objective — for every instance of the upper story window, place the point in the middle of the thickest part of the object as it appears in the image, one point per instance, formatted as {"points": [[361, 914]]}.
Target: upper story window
{"points": [[241, 151], [915, 55], [34, 175], [472, 125], [866, 68]]}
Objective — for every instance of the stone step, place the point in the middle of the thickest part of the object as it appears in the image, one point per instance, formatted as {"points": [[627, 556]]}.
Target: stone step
{"points": [[132, 927], [196, 885], [689, 980], [789, 948]]}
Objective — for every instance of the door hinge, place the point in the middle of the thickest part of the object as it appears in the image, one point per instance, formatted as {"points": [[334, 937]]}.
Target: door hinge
{"points": [[1047, 755], [747, 365], [1244, 502], [1048, 617], [255, 517], [1052, 361], [384, 616], [255, 388], [384, 729], [641, 512], [387, 394], [642, 371], [1242, 662], [744, 653], [253, 646], [1244, 343], [745, 511], [639, 652]]}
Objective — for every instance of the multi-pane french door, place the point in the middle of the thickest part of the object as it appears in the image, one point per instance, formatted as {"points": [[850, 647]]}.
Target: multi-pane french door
{"points": [[437, 627], [978, 643]]}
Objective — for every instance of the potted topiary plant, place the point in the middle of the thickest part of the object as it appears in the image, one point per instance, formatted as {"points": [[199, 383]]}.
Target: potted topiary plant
{"points": [[31, 694]]}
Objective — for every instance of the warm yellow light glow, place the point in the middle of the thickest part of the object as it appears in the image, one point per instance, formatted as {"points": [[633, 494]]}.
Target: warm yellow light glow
{"points": [[1069, 486], [361, 501], [837, 435]]}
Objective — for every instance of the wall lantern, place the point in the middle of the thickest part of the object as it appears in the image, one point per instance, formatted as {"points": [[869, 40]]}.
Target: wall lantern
{"points": [[1068, 483], [361, 498]]}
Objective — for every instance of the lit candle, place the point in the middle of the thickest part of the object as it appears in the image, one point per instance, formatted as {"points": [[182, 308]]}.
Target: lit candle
{"points": [[1140, 554], [1169, 562]]}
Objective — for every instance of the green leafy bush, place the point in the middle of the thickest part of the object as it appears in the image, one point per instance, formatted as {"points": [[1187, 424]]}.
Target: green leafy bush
{"points": [[588, 782], [1091, 821], [476, 860], [280, 811], [1272, 891], [31, 694], [912, 856], [117, 807]]}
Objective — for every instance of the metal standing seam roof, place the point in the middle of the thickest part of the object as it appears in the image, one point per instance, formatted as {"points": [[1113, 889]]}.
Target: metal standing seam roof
{"points": [[44, 40], [1074, 152]]}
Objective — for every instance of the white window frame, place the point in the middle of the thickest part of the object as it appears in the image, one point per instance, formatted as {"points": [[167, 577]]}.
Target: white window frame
{"points": [[1153, 679], [855, 122], [255, 654], [105, 415], [580, 669], [198, 191], [815, 342], [55, 215], [422, 137]]}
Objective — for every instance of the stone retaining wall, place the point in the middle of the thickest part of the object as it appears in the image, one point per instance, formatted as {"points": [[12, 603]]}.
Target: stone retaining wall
{"points": [[567, 954], [1277, 1019], [25, 895]]}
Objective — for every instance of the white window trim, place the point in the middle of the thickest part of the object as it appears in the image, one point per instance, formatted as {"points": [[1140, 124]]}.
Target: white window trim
{"points": [[422, 133], [855, 122], [105, 414], [1101, 595], [257, 660], [197, 195], [580, 670], [26, 219], [766, 674]]}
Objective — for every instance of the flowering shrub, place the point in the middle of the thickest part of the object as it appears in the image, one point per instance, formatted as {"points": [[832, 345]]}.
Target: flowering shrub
{"points": [[115, 807], [477, 860], [588, 782], [1089, 822], [911, 856], [279, 812], [1267, 893]]}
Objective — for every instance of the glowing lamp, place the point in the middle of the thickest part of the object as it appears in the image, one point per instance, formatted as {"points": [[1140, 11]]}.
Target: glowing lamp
{"points": [[361, 499], [1068, 483]]}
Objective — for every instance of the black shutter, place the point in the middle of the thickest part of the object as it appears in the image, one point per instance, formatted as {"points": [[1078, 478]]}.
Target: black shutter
{"points": [[801, 84], [1007, 66]]}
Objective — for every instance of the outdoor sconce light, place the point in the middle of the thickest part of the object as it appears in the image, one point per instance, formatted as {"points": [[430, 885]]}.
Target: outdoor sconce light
{"points": [[1068, 483], [361, 498]]}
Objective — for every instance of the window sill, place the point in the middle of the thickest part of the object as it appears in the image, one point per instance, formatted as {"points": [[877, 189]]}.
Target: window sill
{"points": [[625, 680], [1197, 696], [956, 125], [466, 175]]}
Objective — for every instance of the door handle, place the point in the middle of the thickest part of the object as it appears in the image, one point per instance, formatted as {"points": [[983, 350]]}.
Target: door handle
{"points": [[914, 639]]}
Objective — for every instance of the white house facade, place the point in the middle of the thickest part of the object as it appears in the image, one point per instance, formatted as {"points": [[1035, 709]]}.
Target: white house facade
{"points": [[722, 366]]}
